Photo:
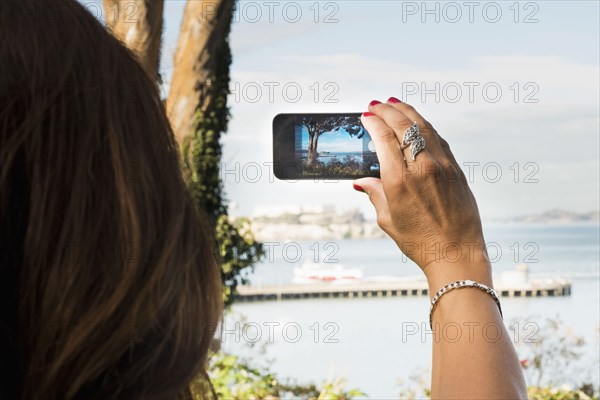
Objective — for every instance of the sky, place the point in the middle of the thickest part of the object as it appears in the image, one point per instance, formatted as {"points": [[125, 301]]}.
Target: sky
{"points": [[512, 86]]}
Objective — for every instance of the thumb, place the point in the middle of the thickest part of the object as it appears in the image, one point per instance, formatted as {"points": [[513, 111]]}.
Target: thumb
{"points": [[373, 188]]}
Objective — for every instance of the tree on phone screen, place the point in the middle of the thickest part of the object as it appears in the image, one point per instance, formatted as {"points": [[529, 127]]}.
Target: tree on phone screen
{"points": [[317, 126]]}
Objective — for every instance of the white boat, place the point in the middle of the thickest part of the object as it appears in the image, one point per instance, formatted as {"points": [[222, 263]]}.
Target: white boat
{"points": [[326, 272]]}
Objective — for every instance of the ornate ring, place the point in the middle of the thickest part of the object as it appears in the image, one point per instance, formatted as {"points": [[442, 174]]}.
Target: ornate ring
{"points": [[410, 135], [413, 138]]}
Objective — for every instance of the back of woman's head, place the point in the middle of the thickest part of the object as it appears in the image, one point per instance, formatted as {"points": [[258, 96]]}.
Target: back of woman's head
{"points": [[106, 287]]}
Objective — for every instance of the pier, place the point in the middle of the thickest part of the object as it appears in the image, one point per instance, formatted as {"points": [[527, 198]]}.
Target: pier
{"points": [[370, 289]]}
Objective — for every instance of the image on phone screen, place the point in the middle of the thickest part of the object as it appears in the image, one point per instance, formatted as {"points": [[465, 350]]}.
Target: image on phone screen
{"points": [[323, 146]]}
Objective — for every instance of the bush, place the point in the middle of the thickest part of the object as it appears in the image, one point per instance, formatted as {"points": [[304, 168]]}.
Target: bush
{"points": [[335, 167], [548, 393], [233, 379]]}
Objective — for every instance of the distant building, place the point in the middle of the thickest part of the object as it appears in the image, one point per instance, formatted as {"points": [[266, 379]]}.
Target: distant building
{"points": [[281, 210], [311, 221]]}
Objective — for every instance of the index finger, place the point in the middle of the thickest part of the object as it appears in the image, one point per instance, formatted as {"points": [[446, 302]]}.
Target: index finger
{"points": [[387, 147]]}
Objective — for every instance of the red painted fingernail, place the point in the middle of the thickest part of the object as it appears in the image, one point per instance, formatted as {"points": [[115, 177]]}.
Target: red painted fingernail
{"points": [[374, 103], [393, 100], [358, 188], [368, 114]]}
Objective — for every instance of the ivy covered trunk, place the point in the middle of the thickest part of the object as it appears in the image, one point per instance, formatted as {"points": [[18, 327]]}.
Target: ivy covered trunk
{"points": [[203, 57], [197, 109]]}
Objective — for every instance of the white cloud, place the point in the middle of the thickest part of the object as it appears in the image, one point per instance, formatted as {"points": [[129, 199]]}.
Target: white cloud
{"points": [[559, 133]]}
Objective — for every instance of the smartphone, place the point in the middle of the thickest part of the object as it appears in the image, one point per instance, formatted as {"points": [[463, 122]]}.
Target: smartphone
{"points": [[322, 146]]}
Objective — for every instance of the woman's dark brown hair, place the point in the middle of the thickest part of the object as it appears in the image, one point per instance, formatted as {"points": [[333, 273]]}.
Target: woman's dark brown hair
{"points": [[107, 290]]}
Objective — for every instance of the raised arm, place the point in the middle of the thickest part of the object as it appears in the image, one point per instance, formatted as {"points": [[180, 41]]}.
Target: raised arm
{"points": [[425, 205]]}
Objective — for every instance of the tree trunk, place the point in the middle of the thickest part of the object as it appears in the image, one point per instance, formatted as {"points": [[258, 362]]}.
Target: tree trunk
{"points": [[310, 156], [198, 112], [197, 109], [312, 153], [312, 145], [138, 24], [205, 26]]}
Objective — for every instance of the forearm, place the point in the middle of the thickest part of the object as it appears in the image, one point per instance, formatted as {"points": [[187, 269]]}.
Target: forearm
{"points": [[424, 203], [473, 356]]}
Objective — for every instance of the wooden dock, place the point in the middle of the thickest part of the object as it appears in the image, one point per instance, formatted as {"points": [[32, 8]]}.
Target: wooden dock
{"points": [[367, 289]]}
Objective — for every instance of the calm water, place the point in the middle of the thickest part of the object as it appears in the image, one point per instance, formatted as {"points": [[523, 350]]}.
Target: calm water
{"points": [[368, 341]]}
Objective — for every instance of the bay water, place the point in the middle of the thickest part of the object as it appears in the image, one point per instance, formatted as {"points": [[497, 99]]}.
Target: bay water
{"points": [[376, 344]]}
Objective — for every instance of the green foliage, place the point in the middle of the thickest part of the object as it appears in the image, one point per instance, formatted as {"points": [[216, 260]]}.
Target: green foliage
{"points": [[233, 379], [238, 251], [318, 126], [335, 391], [548, 393], [533, 393], [201, 152], [419, 389], [551, 355], [335, 167]]}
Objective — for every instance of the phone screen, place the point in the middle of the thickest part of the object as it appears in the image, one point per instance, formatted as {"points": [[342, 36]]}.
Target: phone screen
{"points": [[323, 146]]}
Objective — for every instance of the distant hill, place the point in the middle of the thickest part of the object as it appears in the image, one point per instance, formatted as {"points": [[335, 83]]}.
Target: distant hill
{"points": [[312, 222], [558, 216], [327, 222]]}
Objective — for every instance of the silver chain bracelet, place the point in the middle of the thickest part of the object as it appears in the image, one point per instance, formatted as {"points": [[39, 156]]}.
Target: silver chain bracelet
{"points": [[459, 285]]}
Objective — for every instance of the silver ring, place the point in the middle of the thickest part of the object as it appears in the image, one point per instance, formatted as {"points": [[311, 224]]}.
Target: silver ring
{"points": [[413, 138], [410, 135]]}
